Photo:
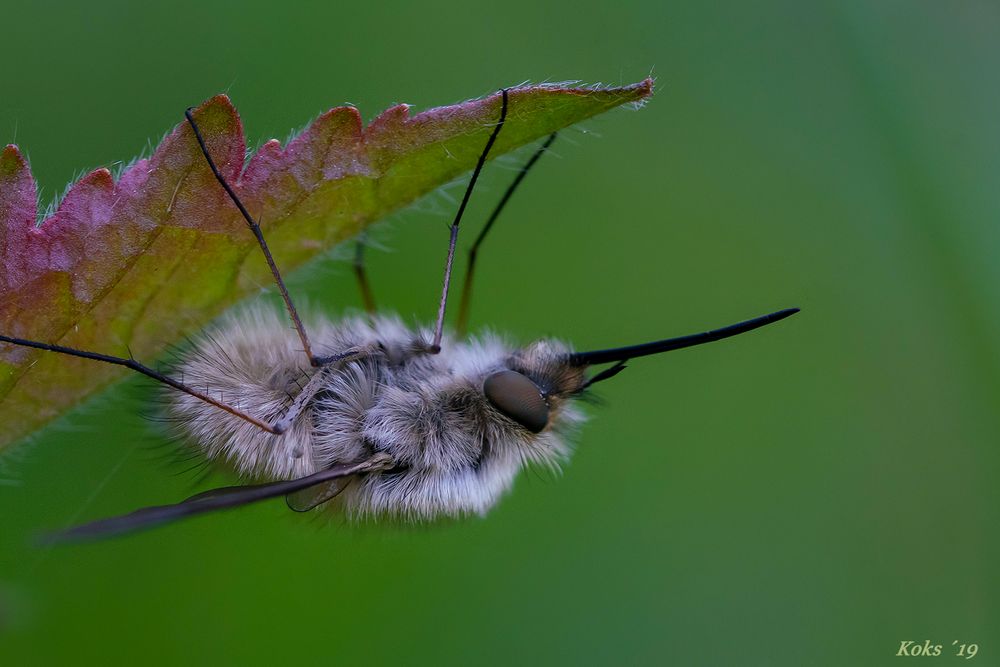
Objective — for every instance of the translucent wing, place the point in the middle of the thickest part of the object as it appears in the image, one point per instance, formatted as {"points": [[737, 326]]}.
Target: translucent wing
{"points": [[215, 499], [313, 496]]}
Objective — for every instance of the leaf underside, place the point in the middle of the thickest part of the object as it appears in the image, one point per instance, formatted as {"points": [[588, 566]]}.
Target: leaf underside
{"points": [[131, 264]]}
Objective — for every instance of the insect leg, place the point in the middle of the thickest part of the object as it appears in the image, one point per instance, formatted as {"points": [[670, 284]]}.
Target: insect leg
{"points": [[362, 276], [148, 372], [315, 383], [255, 228], [435, 346], [463, 309]]}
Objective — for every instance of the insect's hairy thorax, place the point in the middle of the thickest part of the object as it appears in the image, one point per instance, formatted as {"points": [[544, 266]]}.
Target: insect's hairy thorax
{"points": [[454, 452]]}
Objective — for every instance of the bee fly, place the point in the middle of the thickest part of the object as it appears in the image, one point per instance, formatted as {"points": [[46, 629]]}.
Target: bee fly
{"points": [[392, 421]]}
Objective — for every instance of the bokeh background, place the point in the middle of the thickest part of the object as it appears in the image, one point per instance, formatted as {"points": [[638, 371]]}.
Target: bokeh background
{"points": [[810, 494]]}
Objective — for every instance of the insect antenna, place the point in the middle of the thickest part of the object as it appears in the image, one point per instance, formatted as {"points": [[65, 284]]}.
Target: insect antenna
{"points": [[435, 346], [255, 228], [463, 309]]}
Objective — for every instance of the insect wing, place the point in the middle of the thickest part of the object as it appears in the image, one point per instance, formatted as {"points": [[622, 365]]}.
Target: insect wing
{"points": [[314, 496], [213, 500]]}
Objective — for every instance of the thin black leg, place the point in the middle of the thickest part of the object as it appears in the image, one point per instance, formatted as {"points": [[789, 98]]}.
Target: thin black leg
{"points": [[359, 272], [148, 372], [435, 346], [255, 228], [463, 309]]}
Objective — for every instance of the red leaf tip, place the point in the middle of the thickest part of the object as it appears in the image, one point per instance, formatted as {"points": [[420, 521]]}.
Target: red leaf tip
{"points": [[217, 114], [11, 160], [101, 176], [220, 100]]}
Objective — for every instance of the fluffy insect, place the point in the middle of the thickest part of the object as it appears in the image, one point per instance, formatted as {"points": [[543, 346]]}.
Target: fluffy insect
{"points": [[367, 413]]}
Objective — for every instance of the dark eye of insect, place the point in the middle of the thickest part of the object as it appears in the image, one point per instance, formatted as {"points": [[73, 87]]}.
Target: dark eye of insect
{"points": [[519, 398]]}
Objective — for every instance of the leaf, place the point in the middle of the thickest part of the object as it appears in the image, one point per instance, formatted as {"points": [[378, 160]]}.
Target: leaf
{"points": [[129, 265]]}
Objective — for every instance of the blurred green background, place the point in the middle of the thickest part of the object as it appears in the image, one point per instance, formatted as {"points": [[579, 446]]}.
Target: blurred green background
{"points": [[810, 494]]}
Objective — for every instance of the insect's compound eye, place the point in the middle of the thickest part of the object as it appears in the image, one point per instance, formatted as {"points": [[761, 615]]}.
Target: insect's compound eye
{"points": [[519, 398]]}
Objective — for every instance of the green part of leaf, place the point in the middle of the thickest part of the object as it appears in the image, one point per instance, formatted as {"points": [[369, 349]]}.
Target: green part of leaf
{"points": [[130, 265]]}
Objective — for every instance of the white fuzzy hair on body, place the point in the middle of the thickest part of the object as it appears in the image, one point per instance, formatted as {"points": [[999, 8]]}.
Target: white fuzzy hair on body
{"points": [[454, 452]]}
